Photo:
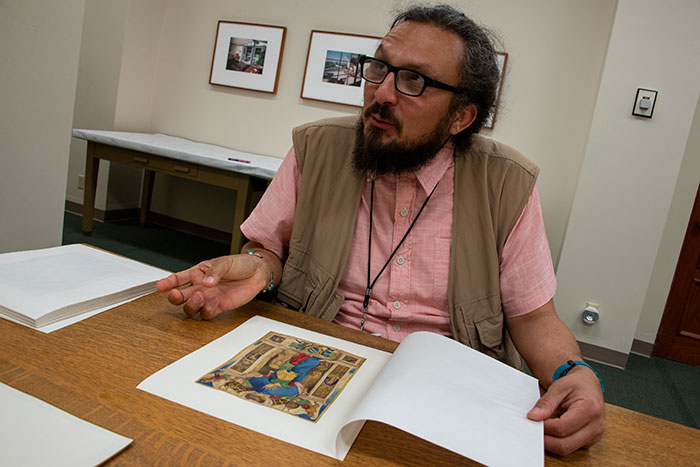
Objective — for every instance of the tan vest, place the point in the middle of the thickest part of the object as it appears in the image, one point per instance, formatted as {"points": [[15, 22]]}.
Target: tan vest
{"points": [[492, 185]]}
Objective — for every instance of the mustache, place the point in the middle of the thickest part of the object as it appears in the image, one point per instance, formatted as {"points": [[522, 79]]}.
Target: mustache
{"points": [[384, 113]]}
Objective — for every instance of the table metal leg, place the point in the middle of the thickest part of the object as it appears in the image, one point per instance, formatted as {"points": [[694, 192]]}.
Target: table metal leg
{"points": [[239, 216], [92, 168], [146, 195], [244, 205]]}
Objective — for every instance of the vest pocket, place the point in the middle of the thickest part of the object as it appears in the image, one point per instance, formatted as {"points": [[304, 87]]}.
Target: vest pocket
{"points": [[293, 280], [320, 297], [490, 335], [484, 322]]}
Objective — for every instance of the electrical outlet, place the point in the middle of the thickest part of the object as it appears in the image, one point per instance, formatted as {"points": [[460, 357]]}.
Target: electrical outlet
{"points": [[81, 182], [591, 313]]}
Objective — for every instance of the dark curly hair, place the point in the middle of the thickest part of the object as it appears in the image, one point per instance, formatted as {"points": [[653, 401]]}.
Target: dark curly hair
{"points": [[479, 69]]}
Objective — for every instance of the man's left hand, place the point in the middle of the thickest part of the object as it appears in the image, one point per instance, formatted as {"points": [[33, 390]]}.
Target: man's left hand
{"points": [[573, 411]]}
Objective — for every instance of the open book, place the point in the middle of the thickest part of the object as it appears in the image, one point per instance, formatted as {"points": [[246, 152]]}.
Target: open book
{"points": [[316, 391], [40, 288]]}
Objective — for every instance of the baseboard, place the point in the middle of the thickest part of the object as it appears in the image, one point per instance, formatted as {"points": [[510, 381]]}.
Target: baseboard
{"points": [[642, 348], [603, 355], [613, 357], [154, 218], [102, 215], [191, 228]]}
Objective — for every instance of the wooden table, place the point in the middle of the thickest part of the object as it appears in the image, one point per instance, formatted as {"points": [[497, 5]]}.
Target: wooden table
{"points": [[209, 166], [91, 369]]}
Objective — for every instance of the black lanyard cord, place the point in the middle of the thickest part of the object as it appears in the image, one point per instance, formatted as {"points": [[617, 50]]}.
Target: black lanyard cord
{"points": [[371, 284]]}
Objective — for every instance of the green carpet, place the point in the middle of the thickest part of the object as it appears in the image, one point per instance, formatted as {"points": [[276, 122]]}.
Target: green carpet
{"points": [[157, 246]]}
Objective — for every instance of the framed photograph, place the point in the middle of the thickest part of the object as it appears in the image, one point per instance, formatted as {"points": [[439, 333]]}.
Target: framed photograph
{"points": [[332, 72], [502, 59], [247, 56]]}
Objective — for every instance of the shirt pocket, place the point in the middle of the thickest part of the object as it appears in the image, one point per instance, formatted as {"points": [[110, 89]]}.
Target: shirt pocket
{"points": [[441, 271]]}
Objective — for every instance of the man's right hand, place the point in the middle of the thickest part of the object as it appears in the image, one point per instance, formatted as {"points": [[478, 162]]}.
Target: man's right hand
{"points": [[220, 284]]}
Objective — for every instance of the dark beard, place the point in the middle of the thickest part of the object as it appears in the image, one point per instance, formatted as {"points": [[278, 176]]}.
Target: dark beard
{"points": [[372, 158]]}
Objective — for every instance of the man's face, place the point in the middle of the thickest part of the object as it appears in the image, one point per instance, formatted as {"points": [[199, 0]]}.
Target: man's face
{"points": [[427, 49], [409, 129]]}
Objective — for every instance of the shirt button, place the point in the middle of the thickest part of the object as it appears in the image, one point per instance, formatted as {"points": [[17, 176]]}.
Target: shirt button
{"points": [[397, 328], [404, 212], [397, 304], [400, 260]]}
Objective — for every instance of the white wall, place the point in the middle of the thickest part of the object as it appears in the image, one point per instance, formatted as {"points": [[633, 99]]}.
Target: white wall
{"points": [[39, 49], [115, 90], [556, 53], [630, 169], [99, 76], [673, 235]]}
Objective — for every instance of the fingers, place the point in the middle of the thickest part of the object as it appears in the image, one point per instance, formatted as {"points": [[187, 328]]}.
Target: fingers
{"points": [[546, 406], [215, 286], [576, 418], [213, 270], [210, 309], [206, 307], [170, 282], [199, 274], [225, 268], [582, 421], [195, 302], [590, 434], [186, 277]]}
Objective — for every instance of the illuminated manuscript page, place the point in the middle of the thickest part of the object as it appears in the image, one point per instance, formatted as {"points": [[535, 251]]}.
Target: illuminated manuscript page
{"points": [[178, 383]]}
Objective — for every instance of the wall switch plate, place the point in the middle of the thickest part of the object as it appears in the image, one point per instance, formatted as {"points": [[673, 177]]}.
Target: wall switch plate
{"points": [[81, 182], [644, 103]]}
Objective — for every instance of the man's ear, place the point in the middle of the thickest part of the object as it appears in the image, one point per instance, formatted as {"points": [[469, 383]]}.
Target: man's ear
{"points": [[463, 118]]}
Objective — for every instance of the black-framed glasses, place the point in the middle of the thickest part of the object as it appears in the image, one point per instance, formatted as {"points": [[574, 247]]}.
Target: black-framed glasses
{"points": [[406, 81]]}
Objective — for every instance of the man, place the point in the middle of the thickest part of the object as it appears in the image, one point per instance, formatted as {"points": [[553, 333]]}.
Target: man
{"points": [[407, 220]]}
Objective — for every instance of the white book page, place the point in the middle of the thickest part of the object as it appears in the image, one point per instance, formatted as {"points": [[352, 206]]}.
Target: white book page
{"points": [[34, 433], [177, 383], [468, 403]]}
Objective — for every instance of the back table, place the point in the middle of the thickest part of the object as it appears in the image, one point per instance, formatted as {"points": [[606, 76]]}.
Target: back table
{"points": [[179, 157]]}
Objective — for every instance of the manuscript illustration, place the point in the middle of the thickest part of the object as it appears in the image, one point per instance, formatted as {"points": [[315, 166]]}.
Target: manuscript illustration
{"points": [[286, 373]]}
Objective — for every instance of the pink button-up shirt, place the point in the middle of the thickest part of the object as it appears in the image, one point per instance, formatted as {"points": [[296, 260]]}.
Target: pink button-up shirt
{"points": [[411, 293]]}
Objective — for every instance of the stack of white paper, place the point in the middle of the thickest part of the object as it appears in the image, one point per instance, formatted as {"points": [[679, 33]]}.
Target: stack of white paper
{"points": [[39, 288]]}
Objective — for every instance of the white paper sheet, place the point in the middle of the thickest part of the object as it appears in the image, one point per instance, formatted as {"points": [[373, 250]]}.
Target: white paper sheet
{"points": [[176, 382], [34, 433], [470, 403], [55, 326], [190, 151]]}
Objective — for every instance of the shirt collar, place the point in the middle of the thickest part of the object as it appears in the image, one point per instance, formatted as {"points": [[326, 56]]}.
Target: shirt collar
{"points": [[429, 175]]}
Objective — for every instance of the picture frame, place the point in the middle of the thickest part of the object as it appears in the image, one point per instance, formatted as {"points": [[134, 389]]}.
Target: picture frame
{"points": [[502, 59], [247, 56], [332, 71]]}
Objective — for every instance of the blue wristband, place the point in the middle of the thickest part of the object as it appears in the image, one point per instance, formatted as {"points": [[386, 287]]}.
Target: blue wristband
{"points": [[564, 369]]}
